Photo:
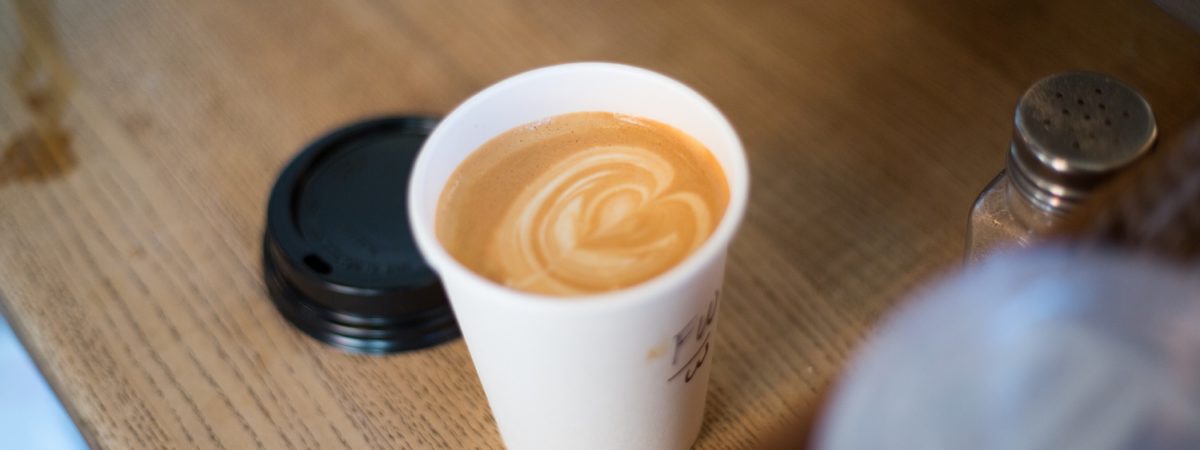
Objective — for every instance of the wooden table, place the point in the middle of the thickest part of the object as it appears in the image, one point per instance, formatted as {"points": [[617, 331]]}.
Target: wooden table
{"points": [[139, 139]]}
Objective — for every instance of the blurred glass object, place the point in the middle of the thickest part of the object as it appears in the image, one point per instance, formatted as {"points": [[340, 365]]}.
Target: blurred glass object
{"points": [[1038, 349], [30, 415], [1186, 10], [1071, 132]]}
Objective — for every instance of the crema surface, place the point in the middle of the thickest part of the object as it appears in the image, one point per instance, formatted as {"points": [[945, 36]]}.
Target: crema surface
{"points": [[581, 203]]}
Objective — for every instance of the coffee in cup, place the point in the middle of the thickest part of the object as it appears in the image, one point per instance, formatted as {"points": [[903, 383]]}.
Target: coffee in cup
{"points": [[612, 367], [581, 203]]}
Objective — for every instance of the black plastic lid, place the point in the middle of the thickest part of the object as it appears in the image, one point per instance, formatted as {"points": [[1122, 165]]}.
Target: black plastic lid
{"points": [[338, 253]]}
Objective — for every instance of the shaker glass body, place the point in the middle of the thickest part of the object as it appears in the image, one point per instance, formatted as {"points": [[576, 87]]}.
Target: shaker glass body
{"points": [[1003, 218]]}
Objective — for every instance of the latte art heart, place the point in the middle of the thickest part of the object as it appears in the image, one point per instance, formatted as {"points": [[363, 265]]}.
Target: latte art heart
{"points": [[582, 203], [597, 220]]}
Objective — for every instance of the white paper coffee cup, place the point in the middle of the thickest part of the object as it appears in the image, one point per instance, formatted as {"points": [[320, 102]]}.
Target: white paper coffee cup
{"points": [[626, 369]]}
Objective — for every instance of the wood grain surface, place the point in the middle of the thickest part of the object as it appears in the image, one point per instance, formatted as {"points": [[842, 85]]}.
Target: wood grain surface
{"points": [[139, 139]]}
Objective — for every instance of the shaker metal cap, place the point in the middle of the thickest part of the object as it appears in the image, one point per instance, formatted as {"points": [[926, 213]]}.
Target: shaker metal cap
{"points": [[1073, 130]]}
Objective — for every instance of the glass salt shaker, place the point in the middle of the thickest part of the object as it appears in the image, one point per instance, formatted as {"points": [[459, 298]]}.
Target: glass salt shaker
{"points": [[1071, 132]]}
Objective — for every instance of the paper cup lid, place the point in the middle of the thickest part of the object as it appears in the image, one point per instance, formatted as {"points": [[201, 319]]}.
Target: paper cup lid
{"points": [[338, 254]]}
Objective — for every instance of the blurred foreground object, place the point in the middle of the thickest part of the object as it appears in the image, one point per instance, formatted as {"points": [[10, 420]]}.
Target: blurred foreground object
{"points": [[1043, 349], [1071, 132], [1186, 10]]}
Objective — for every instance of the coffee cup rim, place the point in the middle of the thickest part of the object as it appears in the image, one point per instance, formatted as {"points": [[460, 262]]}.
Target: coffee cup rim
{"points": [[737, 177]]}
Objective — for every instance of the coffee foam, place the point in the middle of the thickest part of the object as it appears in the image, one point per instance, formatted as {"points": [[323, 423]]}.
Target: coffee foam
{"points": [[581, 203]]}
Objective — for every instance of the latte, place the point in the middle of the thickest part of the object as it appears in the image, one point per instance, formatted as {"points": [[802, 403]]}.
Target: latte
{"points": [[581, 203]]}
